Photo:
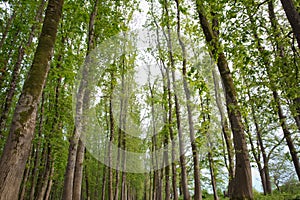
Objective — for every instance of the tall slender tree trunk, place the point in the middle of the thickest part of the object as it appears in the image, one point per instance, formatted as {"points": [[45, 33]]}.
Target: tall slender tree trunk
{"points": [[266, 181], [169, 122], [124, 174], [156, 174], [256, 155], [111, 139], [295, 108], [166, 135], [212, 175], [87, 183], [184, 182], [105, 169], [77, 153], [197, 184], [287, 134], [121, 131], [278, 109], [17, 148], [242, 188], [293, 17], [17, 68], [37, 151], [226, 132], [50, 183], [104, 183], [78, 171], [46, 176]]}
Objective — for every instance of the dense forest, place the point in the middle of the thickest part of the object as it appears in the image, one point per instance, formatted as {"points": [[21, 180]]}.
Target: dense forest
{"points": [[149, 100]]}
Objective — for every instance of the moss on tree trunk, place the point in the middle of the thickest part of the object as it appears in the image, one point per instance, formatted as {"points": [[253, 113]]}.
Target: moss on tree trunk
{"points": [[17, 148]]}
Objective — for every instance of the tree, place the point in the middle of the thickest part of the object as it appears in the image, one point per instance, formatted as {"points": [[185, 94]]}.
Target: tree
{"points": [[293, 17], [242, 188], [17, 148], [198, 193]]}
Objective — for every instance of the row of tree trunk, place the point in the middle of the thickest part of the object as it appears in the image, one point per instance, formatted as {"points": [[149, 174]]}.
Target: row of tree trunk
{"points": [[19, 146]]}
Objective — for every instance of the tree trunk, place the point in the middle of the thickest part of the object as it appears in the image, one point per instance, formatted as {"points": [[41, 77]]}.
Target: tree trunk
{"points": [[78, 171], [184, 182], [266, 180], [242, 188], [287, 135], [293, 17], [295, 108], [256, 155], [111, 139], [81, 104], [46, 176], [156, 173], [169, 122], [104, 180], [37, 150], [17, 68], [281, 117], [197, 184], [296, 103], [166, 138], [17, 148], [212, 175], [121, 132], [25, 179], [226, 133], [105, 169], [87, 185], [50, 183], [124, 174]]}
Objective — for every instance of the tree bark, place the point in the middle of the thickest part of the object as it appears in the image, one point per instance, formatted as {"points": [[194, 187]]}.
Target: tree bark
{"points": [[166, 136], [37, 150], [25, 179], [78, 171], [278, 109], [121, 131], [295, 107], [18, 144], [169, 121], [287, 134], [87, 183], [50, 183], [124, 174], [105, 169], [197, 184], [256, 155], [184, 182], [293, 17], [46, 176], [17, 68], [226, 133], [267, 181], [81, 105], [156, 174], [212, 175], [111, 139], [242, 188]]}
